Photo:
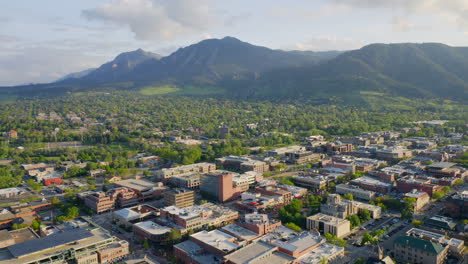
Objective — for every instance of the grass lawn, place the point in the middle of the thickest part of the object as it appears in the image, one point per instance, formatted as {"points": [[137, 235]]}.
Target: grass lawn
{"points": [[158, 90]]}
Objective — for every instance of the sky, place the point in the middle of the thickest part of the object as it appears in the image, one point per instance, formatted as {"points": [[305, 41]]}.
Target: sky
{"points": [[41, 41]]}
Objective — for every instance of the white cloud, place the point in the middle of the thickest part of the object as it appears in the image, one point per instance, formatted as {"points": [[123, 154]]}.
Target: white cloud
{"points": [[157, 19], [400, 24], [454, 12], [324, 43]]}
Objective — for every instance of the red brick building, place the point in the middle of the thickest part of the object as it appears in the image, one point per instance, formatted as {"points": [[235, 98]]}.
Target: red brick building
{"points": [[407, 184]]}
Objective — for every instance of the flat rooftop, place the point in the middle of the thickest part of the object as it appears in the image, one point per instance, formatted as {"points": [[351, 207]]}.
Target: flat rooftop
{"points": [[137, 184], [324, 251], [442, 165], [301, 242], [217, 239], [331, 220], [153, 228], [240, 232]]}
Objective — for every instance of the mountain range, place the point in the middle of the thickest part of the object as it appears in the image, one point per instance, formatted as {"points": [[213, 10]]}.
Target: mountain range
{"points": [[238, 69]]}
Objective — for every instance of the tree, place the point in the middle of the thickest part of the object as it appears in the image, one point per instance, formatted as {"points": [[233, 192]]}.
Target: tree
{"points": [[417, 223], [332, 239], [55, 201], [73, 212], [354, 220], [360, 261], [365, 215], [36, 224], [348, 196], [174, 235], [368, 238], [293, 226]]}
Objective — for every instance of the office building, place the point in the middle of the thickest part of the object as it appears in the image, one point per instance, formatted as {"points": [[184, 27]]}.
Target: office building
{"points": [[328, 224], [179, 197], [202, 167], [409, 249]]}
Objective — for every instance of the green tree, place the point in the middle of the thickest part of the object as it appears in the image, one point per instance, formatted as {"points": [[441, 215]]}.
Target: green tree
{"points": [[36, 224], [146, 244], [73, 212], [348, 196], [293, 226]]}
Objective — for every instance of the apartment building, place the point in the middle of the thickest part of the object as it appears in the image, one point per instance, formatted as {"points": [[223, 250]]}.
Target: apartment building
{"points": [[422, 198], [179, 197], [328, 224]]}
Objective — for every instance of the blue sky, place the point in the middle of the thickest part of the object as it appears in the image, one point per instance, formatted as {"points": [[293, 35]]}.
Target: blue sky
{"points": [[41, 41]]}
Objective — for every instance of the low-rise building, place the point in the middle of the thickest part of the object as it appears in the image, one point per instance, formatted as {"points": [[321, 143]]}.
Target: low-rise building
{"points": [[144, 189], [243, 164], [441, 222], [302, 157], [259, 223], [189, 180], [342, 208], [456, 205], [372, 184], [393, 154], [79, 245], [356, 191], [106, 201], [446, 169], [259, 252], [202, 167], [329, 224], [275, 190], [151, 231], [422, 198], [11, 192], [179, 197], [409, 183], [409, 249], [216, 242], [282, 151]]}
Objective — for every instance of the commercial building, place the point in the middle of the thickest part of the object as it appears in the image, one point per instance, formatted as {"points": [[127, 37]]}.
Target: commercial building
{"points": [[409, 249], [409, 183], [144, 189], [188, 252], [79, 245], [240, 232], [179, 197], [276, 191], [132, 215], [151, 231], [342, 208], [456, 246], [297, 192], [302, 157], [198, 216], [9, 238], [422, 198], [456, 205], [282, 151], [256, 202], [441, 222], [11, 192], [329, 224], [243, 164], [219, 185], [259, 223], [393, 154], [259, 252], [373, 184], [189, 180], [202, 167], [357, 192], [446, 169], [106, 201], [216, 242], [315, 183]]}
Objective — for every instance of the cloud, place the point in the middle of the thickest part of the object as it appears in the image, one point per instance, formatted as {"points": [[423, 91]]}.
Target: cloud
{"points": [[157, 19], [322, 43], [400, 24], [452, 11]]}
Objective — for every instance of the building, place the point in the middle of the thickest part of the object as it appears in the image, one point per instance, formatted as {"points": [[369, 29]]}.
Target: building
{"points": [[337, 148], [188, 181], [259, 223], [446, 169], [393, 154], [11, 192], [144, 189], [198, 216], [216, 242], [279, 152], [219, 185], [202, 167], [256, 202], [456, 246], [12, 134], [151, 231], [422, 198], [356, 191], [342, 208], [456, 205], [259, 252], [79, 245], [223, 131], [409, 183], [372, 184], [9, 238], [409, 249], [302, 157], [188, 252], [276, 191], [179, 197], [240, 232], [297, 192], [243, 164], [441, 222], [329, 224], [107, 201], [132, 215]]}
